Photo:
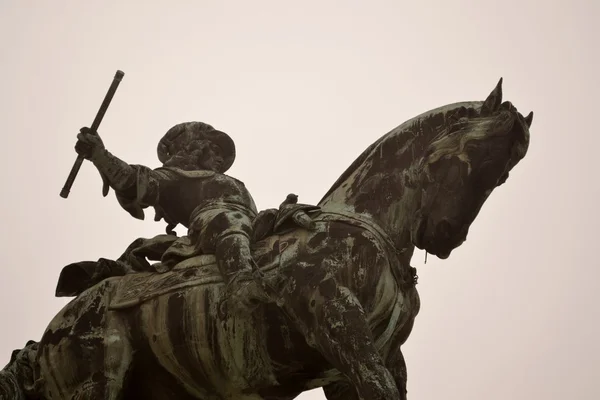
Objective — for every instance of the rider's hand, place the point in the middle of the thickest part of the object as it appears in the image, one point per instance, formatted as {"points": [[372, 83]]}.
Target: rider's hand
{"points": [[89, 144]]}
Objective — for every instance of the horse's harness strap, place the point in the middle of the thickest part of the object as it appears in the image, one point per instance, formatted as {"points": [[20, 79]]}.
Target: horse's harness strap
{"points": [[367, 223], [378, 232]]}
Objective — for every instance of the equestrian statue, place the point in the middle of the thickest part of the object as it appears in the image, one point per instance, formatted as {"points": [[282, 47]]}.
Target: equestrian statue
{"points": [[265, 305]]}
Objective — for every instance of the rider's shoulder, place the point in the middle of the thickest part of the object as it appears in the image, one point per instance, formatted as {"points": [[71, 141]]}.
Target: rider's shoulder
{"points": [[170, 172], [228, 179]]}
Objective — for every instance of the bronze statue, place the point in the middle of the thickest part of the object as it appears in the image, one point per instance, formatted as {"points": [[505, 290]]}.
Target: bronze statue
{"points": [[336, 292]]}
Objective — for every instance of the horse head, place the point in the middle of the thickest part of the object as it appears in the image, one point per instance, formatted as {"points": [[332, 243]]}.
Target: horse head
{"points": [[480, 143]]}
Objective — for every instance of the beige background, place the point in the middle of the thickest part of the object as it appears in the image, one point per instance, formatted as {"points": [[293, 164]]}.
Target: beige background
{"points": [[303, 88]]}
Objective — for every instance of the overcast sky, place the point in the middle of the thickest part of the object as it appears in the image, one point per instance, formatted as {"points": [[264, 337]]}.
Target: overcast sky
{"points": [[303, 88]]}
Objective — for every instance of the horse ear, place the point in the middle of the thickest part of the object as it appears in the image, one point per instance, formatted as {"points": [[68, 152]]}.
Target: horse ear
{"points": [[529, 119], [493, 101], [13, 355]]}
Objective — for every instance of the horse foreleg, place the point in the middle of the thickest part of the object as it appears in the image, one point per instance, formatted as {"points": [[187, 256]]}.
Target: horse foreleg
{"points": [[342, 390], [397, 367], [336, 325], [395, 359]]}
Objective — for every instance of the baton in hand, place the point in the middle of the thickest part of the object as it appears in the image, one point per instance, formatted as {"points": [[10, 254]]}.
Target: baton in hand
{"points": [[64, 193]]}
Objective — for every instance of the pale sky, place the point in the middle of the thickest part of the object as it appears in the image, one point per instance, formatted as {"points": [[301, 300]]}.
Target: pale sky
{"points": [[303, 88]]}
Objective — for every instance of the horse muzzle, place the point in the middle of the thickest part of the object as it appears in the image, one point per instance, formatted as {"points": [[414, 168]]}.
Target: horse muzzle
{"points": [[439, 238]]}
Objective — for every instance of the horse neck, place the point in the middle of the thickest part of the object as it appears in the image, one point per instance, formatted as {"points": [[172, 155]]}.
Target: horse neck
{"points": [[380, 183]]}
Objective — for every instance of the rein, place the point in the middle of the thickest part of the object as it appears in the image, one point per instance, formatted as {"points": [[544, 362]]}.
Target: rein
{"points": [[374, 228]]}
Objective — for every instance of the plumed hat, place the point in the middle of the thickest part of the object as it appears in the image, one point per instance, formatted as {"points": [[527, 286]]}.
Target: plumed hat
{"points": [[168, 145]]}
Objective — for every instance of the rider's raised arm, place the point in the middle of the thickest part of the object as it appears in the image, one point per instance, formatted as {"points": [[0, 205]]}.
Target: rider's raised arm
{"points": [[136, 186], [120, 175]]}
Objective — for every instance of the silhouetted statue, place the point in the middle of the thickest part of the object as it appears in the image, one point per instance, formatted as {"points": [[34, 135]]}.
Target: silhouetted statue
{"points": [[333, 291]]}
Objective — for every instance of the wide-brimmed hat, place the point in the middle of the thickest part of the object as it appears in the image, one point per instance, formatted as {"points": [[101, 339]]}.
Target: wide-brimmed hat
{"points": [[167, 147]]}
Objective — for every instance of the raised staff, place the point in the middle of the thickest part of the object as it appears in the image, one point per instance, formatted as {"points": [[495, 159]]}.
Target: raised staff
{"points": [[64, 193]]}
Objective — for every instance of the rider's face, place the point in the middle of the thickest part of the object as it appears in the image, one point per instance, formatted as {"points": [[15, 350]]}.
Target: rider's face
{"points": [[211, 158], [198, 154]]}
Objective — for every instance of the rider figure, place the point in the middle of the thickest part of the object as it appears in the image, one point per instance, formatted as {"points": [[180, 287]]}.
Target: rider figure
{"points": [[190, 189]]}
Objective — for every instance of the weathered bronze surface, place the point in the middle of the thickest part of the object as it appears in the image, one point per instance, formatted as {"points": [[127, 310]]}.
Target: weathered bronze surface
{"points": [[267, 305]]}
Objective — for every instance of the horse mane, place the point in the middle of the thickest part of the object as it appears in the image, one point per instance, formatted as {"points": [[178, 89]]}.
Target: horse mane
{"points": [[366, 153], [396, 131], [361, 158]]}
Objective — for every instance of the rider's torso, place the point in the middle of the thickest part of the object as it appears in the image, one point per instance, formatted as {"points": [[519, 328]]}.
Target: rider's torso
{"points": [[179, 197]]}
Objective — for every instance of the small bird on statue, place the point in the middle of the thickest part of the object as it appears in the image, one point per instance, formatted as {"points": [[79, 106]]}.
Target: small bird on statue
{"points": [[290, 199]]}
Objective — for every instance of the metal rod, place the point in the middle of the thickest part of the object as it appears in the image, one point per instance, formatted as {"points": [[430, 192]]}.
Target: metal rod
{"points": [[64, 193]]}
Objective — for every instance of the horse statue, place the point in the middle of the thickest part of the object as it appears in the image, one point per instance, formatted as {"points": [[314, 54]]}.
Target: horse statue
{"points": [[344, 296]]}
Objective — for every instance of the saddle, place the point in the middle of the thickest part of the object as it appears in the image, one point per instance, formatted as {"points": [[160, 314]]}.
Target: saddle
{"points": [[140, 275]]}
